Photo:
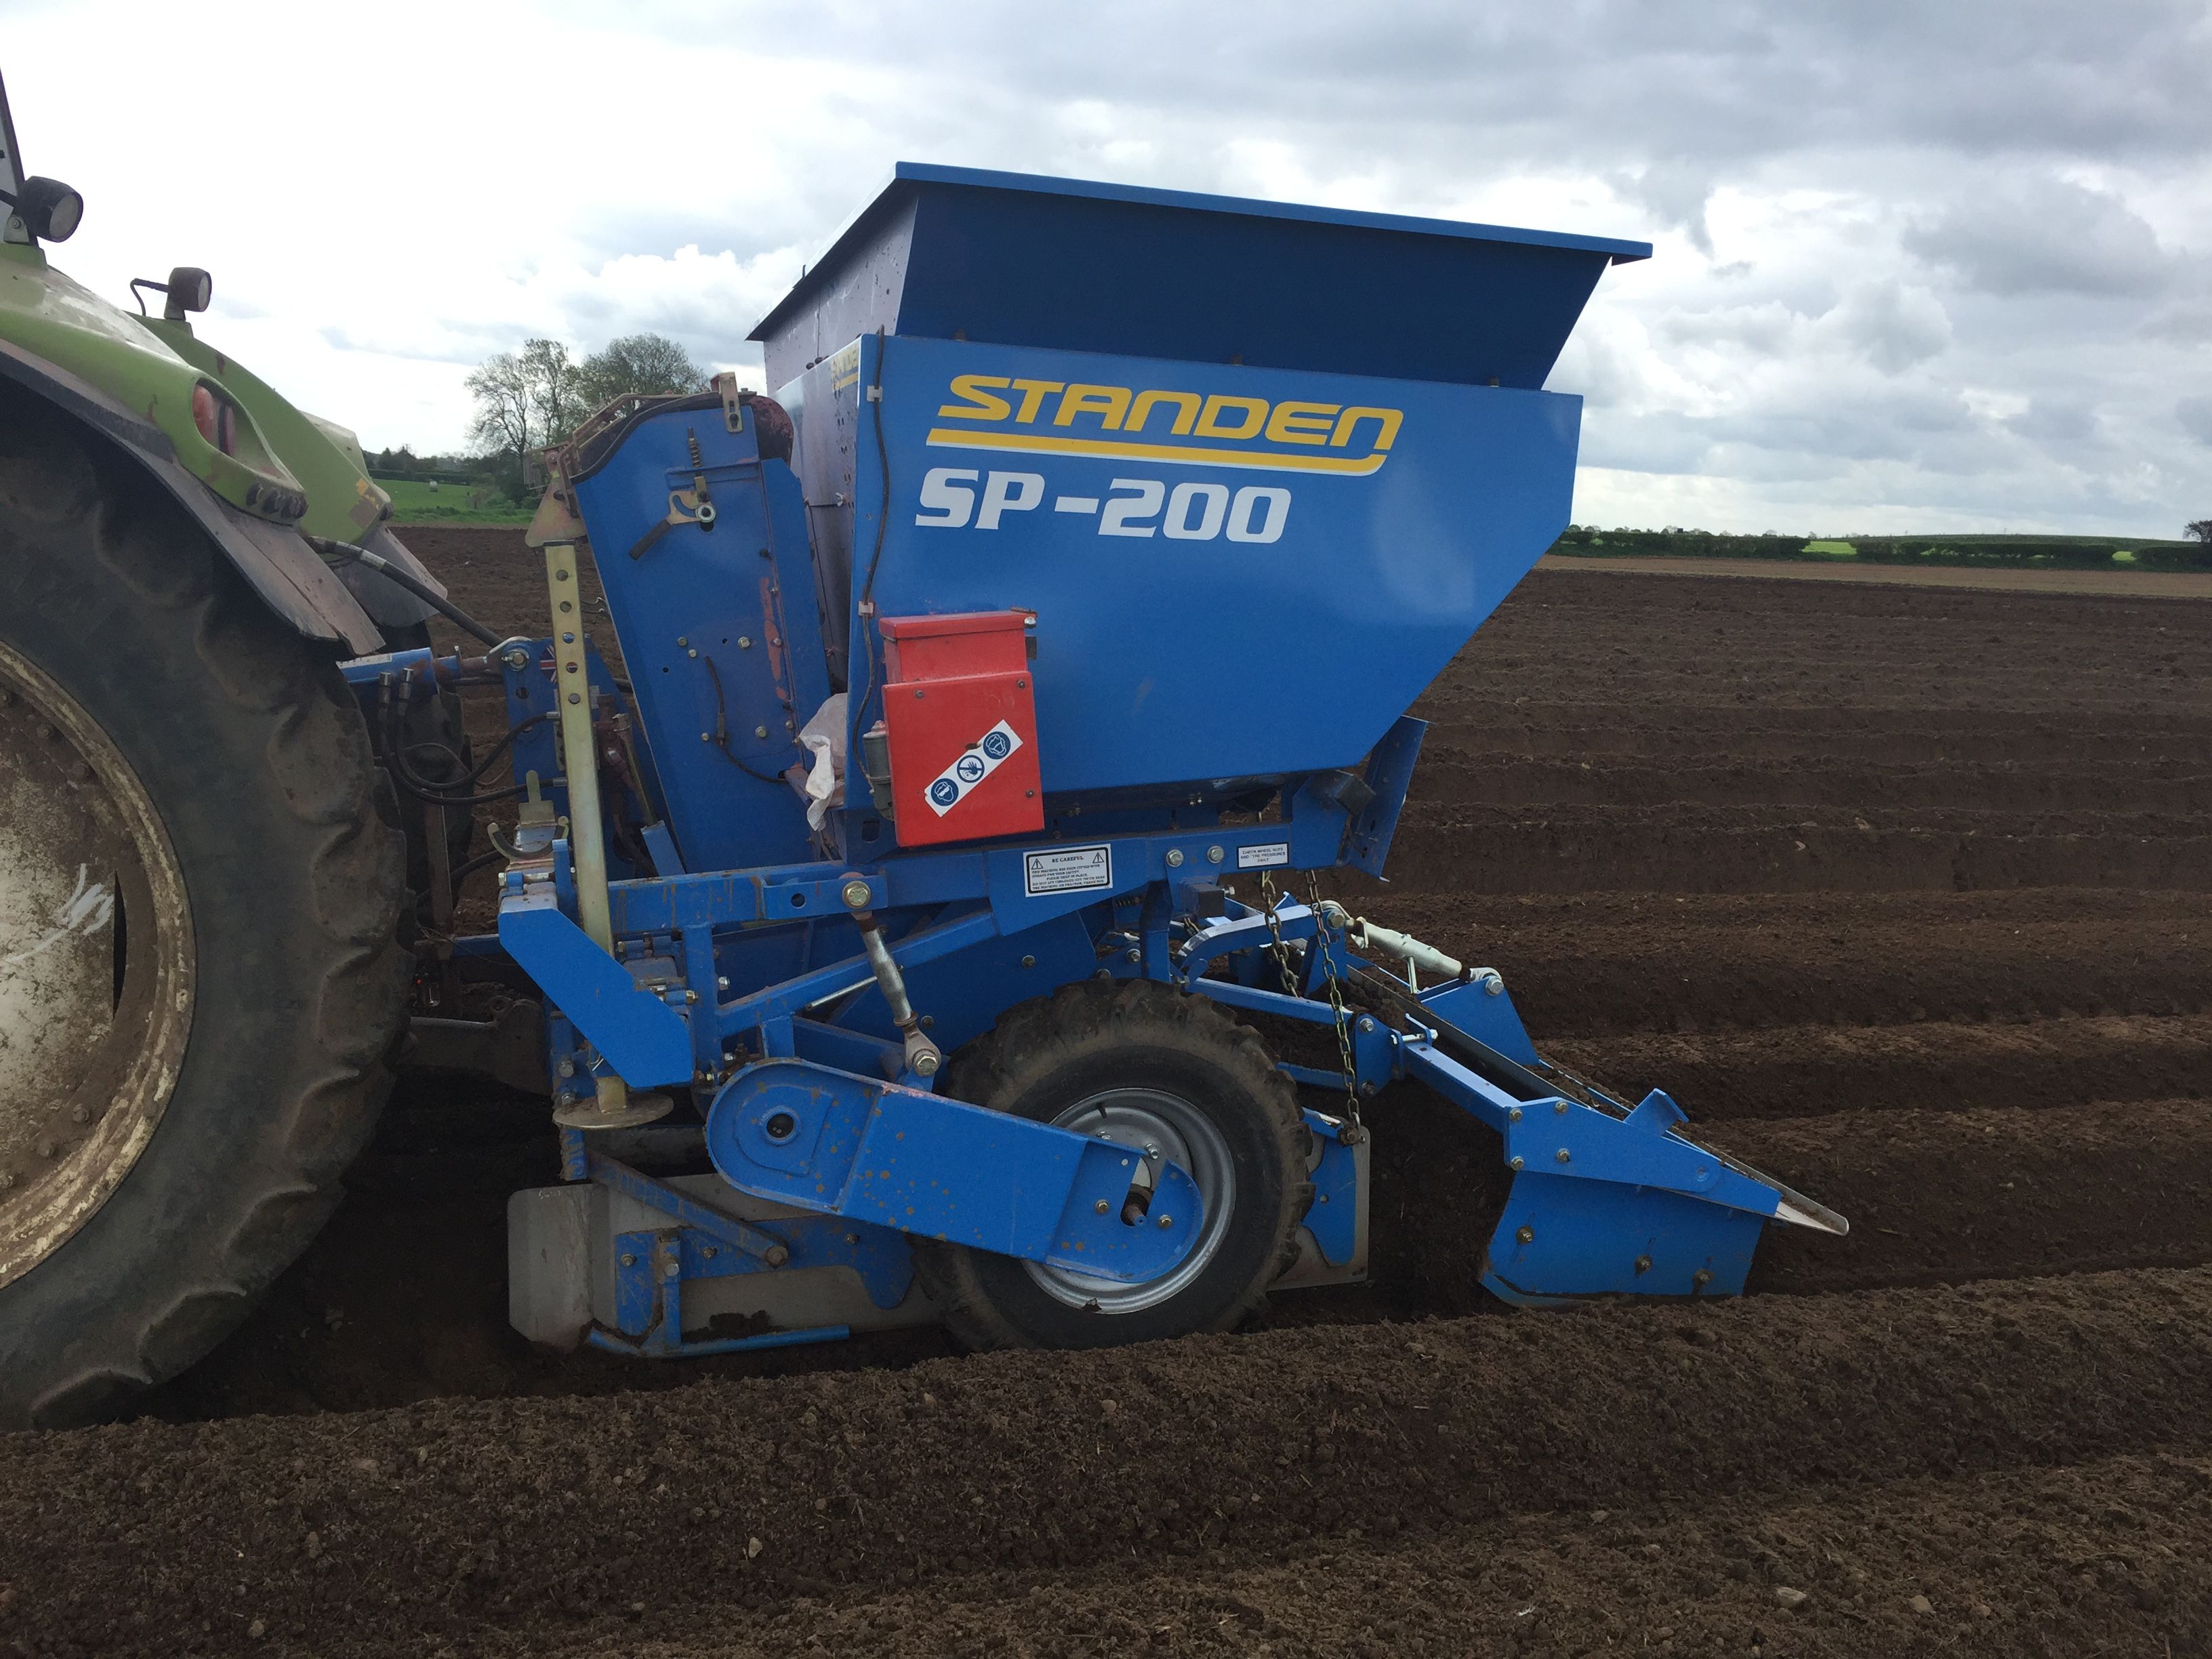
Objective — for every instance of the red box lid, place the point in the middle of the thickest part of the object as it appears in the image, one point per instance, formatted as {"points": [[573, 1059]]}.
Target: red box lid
{"points": [[964, 621]]}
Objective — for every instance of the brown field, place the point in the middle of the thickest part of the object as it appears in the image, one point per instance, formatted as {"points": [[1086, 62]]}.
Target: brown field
{"points": [[1904, 891]]}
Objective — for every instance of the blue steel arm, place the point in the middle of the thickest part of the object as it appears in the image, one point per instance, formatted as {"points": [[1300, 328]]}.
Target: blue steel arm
{"points": [[645, 1040], [836, 1144]]}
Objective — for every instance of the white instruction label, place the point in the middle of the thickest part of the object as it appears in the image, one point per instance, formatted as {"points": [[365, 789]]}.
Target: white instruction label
{"points": [[981, 758], [1068, 870], [1265, 856]]}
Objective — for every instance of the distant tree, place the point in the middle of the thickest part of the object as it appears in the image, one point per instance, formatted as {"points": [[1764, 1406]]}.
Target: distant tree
{"points": [[524, 400], [2200, 529], [646, 363], [505, 418], [556, 390]]}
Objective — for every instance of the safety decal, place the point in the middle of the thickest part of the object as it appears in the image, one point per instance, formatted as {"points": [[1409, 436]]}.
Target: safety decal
{"points": [[1067, 870], [1265, 856], [981, 758]]}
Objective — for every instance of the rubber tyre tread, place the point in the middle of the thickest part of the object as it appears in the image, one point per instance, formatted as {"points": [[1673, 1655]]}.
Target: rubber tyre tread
{"points": [[258, 763], [987, 1300]]}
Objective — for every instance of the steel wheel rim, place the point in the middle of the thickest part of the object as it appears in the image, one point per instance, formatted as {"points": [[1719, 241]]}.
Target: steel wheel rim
{"points": [[96, 967], [1160, 1126]]}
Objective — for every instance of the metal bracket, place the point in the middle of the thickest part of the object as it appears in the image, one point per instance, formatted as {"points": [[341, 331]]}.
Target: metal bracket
{"points": [[837, 1144]]}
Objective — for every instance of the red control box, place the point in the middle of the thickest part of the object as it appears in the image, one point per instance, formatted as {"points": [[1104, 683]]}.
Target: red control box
{"points": [[960, 722]]}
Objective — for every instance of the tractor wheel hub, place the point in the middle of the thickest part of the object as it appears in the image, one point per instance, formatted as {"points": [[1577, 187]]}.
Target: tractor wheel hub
{"points": [[95, 982]]}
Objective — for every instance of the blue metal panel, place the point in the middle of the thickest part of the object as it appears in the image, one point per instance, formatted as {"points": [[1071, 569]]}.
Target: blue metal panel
{"points": [[642, 1038], [1488, 1017], [1028, 261], [1389, 772], [1328, 598], [1561, 1240], [718, 626], [1333, 1218], [840, 1145]]}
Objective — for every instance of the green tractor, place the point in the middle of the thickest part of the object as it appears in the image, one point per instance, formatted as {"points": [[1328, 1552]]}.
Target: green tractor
{"points": [[200, 988]]}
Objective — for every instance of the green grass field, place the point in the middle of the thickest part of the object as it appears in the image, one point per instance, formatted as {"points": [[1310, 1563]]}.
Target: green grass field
{"points": [[2024, 552], [414, 501]]}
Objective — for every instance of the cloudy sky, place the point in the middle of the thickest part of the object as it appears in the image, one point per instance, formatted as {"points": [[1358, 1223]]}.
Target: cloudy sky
{"points": [[1921, 265]]}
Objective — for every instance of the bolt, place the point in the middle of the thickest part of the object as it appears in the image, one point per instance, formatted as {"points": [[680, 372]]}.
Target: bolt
{"points": [[1492, 985], [1151, 1151], [517, 659], [1559, 1108], [926, 1063], [1701, 1278], [1513, 1163], [708, 1251], [1513, 1114], [1134, 954], [851, 1238], [1564, 1155], [856, 894], [1029, 962], [1167, 1221], [760, 730], [1367, 1022], [1644, 1264], [789, 727], [744, 642], [693, 651], [1174, 858], [578, 696], [691, 996], [1527, 1235], [681, 641], [671, 1270], [1101, 1207], [627, 1260], [1214, 855], [721, 983]]}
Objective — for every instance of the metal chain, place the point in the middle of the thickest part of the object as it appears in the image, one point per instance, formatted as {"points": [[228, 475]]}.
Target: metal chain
{"points": [[1269, 899], [1335, 999]]}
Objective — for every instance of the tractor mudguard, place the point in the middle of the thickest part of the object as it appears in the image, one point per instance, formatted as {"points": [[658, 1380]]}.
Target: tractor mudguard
{"points": [[289, 576]]}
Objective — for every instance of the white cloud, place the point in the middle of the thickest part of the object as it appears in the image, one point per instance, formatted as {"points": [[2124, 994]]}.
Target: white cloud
{"points": [[1918, 266]]}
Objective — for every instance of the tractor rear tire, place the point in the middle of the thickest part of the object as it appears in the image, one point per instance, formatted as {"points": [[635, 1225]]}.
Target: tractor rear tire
{"points": [[1139, 1063], [201, 986]]}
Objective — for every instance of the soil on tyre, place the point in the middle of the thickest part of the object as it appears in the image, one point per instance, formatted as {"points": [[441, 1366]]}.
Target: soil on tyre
{"points": [[200, 983], [1173, 1076]]}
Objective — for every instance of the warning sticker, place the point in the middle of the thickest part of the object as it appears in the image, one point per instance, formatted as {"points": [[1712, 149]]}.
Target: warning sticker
{"points": [[1067, 870], [1265, 856], [983, 756]]}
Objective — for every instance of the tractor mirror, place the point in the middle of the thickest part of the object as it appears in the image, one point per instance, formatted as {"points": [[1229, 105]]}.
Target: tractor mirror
{"points": [[48, 209], [189, 289]]}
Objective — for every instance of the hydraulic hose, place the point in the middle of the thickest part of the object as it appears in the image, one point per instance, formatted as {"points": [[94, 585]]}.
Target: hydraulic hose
{"points": [[422, 590]]}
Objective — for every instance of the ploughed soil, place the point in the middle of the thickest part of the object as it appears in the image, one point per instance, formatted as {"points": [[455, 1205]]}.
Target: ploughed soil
{"points": [[1902, 891]]}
